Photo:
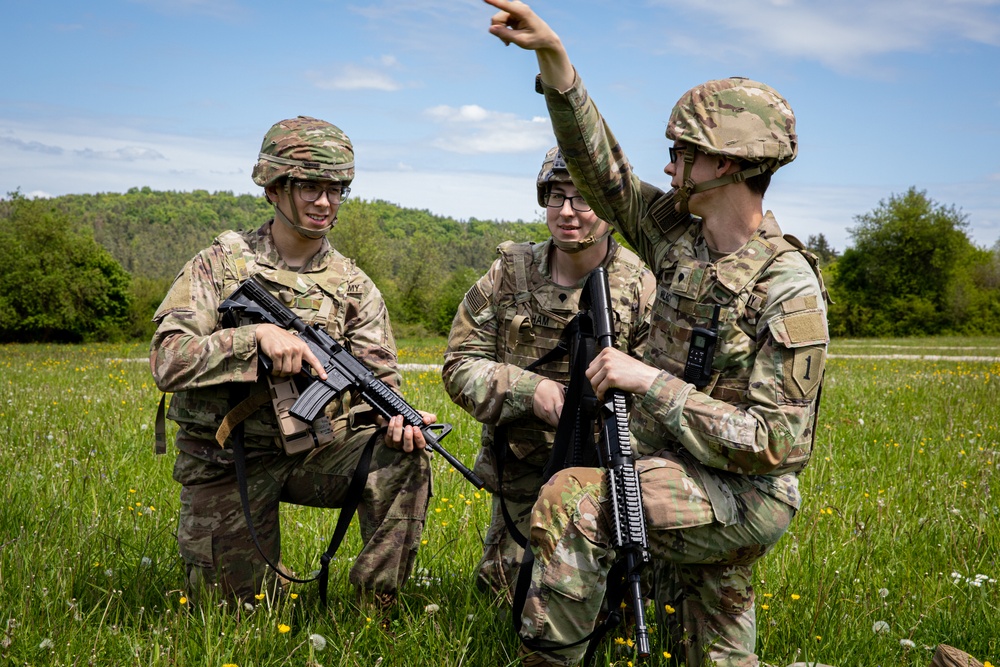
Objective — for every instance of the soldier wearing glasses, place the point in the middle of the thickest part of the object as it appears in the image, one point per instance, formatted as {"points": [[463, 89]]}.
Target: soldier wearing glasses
{"points": [[510, 318], [305, 166]]}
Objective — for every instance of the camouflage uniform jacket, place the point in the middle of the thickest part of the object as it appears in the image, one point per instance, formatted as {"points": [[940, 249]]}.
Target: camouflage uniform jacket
{"points": [[756, 417], [192, 355], [514, 315]]}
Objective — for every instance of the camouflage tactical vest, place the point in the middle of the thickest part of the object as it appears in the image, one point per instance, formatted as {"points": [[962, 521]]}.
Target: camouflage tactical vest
{"points": [[532, 311], [688, 290], [319, 297]]}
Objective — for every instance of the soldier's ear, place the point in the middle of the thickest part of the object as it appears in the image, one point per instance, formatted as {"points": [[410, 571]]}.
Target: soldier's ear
{"points": [[271, 192]]}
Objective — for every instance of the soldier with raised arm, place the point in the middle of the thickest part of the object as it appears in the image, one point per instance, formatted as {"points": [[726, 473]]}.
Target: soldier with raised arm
{"points": [[727, 393]]}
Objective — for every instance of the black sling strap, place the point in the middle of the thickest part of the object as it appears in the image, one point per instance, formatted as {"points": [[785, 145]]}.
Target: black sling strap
{"points": [[352, 500], [501, 444]]}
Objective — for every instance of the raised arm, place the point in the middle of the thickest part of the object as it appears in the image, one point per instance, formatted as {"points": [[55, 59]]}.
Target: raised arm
{"points": [[515, 23]]}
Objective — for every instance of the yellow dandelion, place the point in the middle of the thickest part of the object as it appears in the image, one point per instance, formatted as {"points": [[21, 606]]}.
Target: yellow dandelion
{"points": [[765, 607], [293, 595], [259, 596], [230, 664], [666, 655], [282, 628], [670, 610], [819, 637], [769, 595], [183, 600], [795, 596], [620, 641]]}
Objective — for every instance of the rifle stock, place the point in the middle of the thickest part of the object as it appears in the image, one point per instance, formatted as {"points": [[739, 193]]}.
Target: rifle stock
{"points": [[344, 371]]}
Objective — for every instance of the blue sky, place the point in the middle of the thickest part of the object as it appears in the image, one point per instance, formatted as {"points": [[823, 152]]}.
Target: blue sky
{"points": [[106, 95]]}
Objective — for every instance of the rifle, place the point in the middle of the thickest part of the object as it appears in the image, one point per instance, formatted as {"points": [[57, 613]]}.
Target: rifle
{"points": [[615, 453], [593, 329], [343, 370]]}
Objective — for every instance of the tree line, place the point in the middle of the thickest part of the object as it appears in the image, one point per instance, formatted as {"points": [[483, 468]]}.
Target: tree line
{"points": [[94, 267]]}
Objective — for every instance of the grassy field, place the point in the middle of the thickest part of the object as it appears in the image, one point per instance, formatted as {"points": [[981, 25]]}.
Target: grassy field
{"points": [[895, 550]]}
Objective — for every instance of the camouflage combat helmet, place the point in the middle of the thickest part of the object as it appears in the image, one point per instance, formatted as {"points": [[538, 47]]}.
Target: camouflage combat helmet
{"points": [[304, 148], [554, 171], [734, 118]]}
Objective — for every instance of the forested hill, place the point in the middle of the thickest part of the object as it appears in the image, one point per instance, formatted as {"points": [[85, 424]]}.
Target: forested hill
{"points": [[152, 234], [423, 263]]}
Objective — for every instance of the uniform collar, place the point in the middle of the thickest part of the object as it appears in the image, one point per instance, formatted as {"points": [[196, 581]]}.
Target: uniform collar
{"points": [[267, 252]]}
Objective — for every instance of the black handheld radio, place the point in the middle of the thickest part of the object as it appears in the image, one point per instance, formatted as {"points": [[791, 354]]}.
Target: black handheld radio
{"points": [[701, 351]]}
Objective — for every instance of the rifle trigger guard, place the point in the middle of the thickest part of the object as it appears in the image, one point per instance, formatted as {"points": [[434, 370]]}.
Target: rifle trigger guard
{"points": [[444, 428]]}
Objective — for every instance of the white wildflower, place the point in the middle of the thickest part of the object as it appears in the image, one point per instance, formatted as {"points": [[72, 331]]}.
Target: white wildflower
{"points": [[880, 627], [906, 643], [883, 592], [432, 608], [318, 642]]}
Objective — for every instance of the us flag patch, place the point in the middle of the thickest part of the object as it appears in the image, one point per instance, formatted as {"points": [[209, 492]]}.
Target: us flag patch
{"points": [[475, 300]]}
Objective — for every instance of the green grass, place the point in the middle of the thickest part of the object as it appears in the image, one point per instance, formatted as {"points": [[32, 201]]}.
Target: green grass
{"points": [[898, 520]]}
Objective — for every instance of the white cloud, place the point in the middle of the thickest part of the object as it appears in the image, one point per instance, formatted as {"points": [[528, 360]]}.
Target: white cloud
{"points": [[356, 77], [844, 34], [473, 130], [30, 146], [124, 154]]}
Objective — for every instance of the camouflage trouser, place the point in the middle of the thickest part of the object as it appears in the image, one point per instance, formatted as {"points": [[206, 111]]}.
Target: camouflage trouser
{"points": [[501, 560], [216, 545], [704, 566]]}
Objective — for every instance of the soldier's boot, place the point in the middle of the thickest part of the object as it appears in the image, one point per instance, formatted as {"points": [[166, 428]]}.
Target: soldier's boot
{"points": [[380, 606]]}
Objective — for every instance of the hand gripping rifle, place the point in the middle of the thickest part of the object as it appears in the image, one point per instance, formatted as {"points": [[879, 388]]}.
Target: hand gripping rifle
{"points": [[615, 453], [344, 371]]}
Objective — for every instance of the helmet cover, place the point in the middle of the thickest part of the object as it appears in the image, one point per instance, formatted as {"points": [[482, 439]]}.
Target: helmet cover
{"points": [[736, 118], [307, 149], [553, 171]]}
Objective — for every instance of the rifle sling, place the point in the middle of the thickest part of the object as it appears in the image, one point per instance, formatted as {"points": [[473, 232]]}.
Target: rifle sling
{"points": [[352, 500], [238, 414], [501, 445]]}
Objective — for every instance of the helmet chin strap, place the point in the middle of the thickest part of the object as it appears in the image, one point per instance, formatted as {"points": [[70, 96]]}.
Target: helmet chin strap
{"points": [[683, 193], [573, 247]]}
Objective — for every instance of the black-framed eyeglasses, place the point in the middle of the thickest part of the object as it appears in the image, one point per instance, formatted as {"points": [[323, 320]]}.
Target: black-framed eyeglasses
{"points": [[675, 152], [576, 202], [311, 191]]}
